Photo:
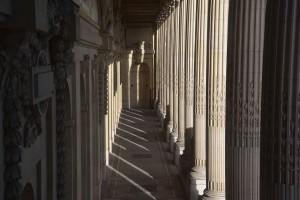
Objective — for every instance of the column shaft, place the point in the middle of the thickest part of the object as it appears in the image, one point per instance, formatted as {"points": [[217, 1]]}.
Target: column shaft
{"points": [[189, 84], [198, 174], [280, 122], [217, 54], [174, 133], [171, 63], [244, 71], [181, 82]]}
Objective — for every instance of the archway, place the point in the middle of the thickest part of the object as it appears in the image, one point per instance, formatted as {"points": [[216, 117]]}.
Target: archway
{"points": [[144, 86], [28, 193], [134, 86]]}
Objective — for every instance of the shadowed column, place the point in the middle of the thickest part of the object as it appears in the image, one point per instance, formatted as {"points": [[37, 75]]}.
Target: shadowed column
{"points": [[280, 123], [244, 71]]}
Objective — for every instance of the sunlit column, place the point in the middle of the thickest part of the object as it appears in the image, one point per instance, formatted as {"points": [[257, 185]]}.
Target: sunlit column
{"points": [[159, 52], [181, 83], [170, 66], [280, 121], [176, 58], [198, 174], [157, 74], [164, 67], [163, 71], [167, 60], [189, 85], [216, 71], [244, 71], [125, 78]]}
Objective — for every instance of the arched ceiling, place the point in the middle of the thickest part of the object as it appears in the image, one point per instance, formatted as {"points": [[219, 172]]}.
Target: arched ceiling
{"points": [[140, 13]]}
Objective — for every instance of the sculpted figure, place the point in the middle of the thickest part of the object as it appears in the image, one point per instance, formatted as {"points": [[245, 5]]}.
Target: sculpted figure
{"points": [[106, 16]]}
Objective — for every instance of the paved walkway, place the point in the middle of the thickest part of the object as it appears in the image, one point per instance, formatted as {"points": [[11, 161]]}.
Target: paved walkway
{"points": [[140, 164]]}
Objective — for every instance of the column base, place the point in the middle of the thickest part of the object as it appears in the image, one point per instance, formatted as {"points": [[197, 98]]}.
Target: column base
{"points": [[185, 164], [212, 195], [112, 137], [198, 182], [168, 131], [173, 138], [162, 120], [179, 147]]}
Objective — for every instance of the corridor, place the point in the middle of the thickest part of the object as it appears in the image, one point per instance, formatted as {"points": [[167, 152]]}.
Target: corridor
{"points": [[141, 165]]}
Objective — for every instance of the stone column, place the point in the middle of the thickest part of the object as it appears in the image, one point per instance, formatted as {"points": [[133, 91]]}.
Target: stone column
{"points": [[198, 174], [244, 71], [189, 85], [181, 83], [125, 69], [280, 121], [163, 75], [174, 133], [167, 63], [216, 70], [156, 67], [159, 67], [165, 68], [170, 66]]}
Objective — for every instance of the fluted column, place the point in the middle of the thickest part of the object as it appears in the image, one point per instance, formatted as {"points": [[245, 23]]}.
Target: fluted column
{"points": [[244, 71], [165, 70], [198, 174], [181, 83], [217, 54], [170, 65], [280, 123], [189, 85], [164, 73], [159, 67], [176, 58]]}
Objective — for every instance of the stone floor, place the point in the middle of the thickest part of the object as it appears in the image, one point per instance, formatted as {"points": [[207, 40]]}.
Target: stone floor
{"points": [[141, 166]]}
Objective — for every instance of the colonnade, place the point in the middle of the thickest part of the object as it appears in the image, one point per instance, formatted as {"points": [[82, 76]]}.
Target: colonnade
{"points": [[228, 81]]}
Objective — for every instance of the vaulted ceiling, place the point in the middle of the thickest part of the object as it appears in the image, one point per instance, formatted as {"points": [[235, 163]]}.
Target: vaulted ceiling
{"points": [[140, 13]]}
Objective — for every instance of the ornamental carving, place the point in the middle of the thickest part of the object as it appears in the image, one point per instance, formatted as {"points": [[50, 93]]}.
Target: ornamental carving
{"points": [[200, 95], [107, 15], [105, 59], [216, 102], [245, 115], [115, 77], [21, 123], [119, 30], [60, 15]]}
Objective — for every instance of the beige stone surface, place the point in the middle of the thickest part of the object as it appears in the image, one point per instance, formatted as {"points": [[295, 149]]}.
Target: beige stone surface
{"points": [[140, 165]]}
